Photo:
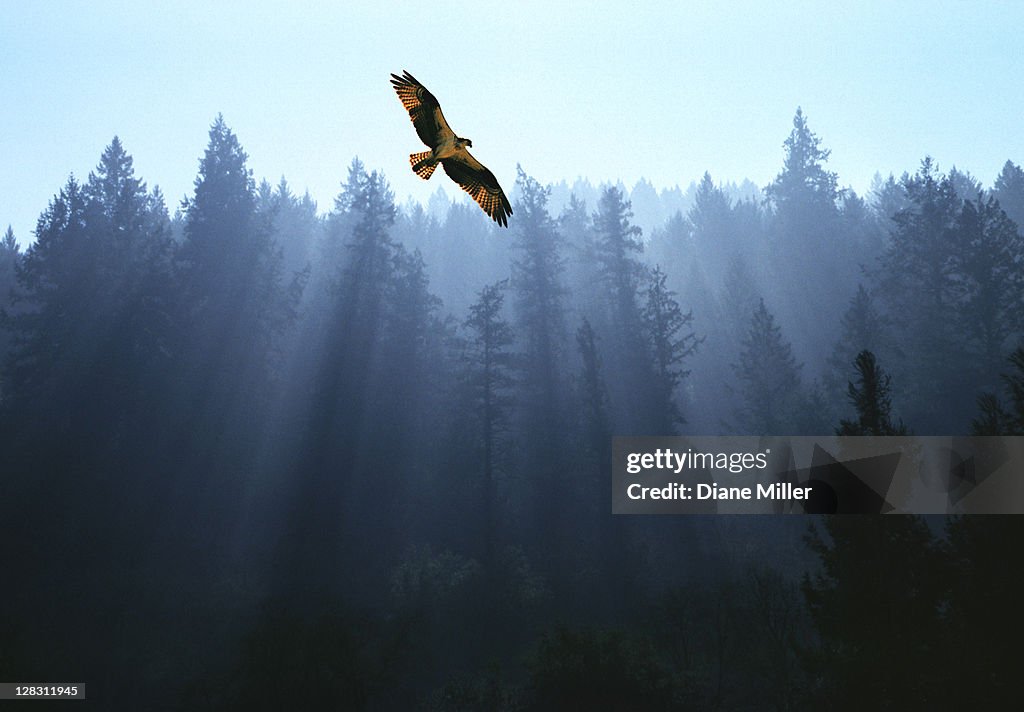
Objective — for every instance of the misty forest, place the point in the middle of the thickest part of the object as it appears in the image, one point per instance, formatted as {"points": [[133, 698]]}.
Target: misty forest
{"points": [[260, 453]]}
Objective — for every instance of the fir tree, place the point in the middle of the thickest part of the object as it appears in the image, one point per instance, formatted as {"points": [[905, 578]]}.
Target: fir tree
{"points": [[863, 328], [232, 309], [489, 363], [989, 289], [336, 489], [234, 295], [537, 283], [715, 237], [806, 234], [574, 224], [804, 182], [132, 229], [918, 279], [769, 378], [1009, 191], [870, 396], [671, 339], [537, 274], [620, 272], [617, 247]]}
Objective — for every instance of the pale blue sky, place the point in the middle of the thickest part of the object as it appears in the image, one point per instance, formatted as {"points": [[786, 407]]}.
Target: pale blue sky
{"points": [[608, 91]]}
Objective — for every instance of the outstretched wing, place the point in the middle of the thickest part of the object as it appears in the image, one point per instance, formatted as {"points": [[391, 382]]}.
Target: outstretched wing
{"points": [[423, 109], [480, 183]]}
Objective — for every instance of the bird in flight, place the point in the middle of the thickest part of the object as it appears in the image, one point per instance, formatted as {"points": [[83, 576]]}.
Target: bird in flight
{"points": [[448, 149]]}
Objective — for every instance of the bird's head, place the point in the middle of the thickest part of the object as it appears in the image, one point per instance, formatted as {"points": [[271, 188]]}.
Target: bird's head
{"points": [[465, 142]]}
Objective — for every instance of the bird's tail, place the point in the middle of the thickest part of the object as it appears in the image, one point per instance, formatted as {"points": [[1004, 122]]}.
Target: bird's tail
{"points": [[422, 165]]}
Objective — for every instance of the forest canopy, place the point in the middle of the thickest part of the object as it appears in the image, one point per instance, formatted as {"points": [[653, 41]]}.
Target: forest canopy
{"points": [[381, 433]]}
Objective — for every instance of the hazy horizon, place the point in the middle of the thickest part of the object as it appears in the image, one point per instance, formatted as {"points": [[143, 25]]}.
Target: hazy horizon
{"points": [[306, 90]]}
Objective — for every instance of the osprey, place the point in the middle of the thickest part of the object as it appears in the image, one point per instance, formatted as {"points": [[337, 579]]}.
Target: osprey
{"points": [[448, 149]]}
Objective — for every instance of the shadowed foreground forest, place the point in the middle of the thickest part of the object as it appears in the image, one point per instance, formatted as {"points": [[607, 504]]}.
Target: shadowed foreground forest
{"points": [[259, 455]]}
